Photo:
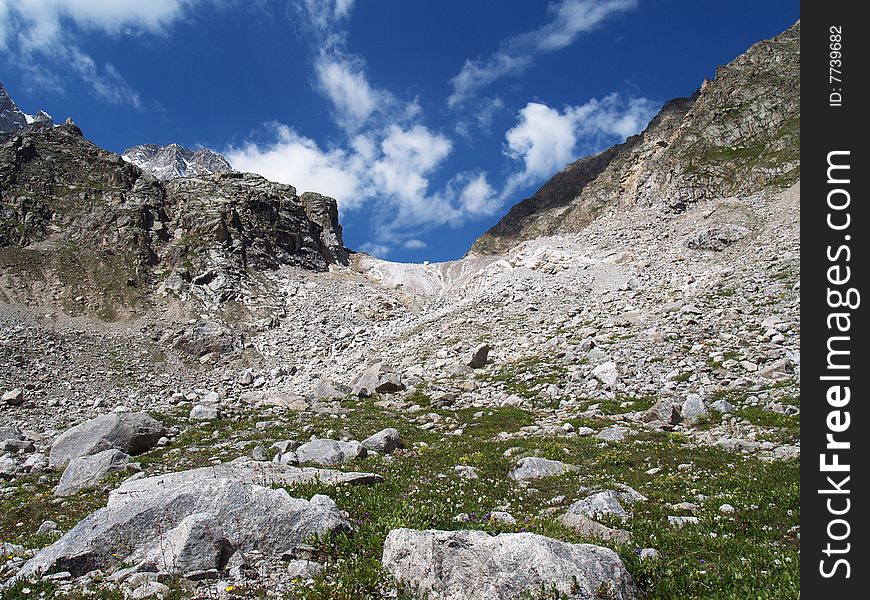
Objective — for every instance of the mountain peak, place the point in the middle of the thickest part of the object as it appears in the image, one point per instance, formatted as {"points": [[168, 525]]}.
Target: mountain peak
{"points": [[12, 117], [174, 160]]}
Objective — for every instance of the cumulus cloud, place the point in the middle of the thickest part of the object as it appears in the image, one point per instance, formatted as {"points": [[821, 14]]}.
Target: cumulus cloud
{"points": [[297, 160], [567, 20], [414, 244], [546, 139]]}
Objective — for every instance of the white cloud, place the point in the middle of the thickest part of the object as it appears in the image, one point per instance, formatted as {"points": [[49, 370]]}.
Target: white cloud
{"points": [[478, 197], [567, 20], [297, 160], [45, 33], [346, 86], [377, 250], [543, 139], [414, 244]]}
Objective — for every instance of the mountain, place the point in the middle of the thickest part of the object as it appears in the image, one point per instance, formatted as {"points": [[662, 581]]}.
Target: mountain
{"points": [[85, 218], [12, 117], [174, 161], [738, 134]]}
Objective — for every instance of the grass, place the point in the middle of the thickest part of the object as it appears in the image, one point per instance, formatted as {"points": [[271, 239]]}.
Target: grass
{"points": [[752, 553]]}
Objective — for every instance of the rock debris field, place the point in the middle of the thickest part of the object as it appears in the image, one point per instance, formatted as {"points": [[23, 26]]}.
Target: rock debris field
{"points": [[608, 414]]}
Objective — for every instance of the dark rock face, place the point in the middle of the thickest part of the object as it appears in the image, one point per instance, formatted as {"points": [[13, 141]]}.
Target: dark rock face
{"points": [[64, 200], [13, 118], [173, 161], [738, 134]]}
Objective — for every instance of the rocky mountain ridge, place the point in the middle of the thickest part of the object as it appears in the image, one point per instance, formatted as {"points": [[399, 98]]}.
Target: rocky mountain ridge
{"points": [[12, 117], [79, 215], [738, 134], [174, 161]]}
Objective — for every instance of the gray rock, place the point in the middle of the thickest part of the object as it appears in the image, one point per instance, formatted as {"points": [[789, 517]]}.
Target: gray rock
{"points": [[143, 519], [599, 503], [11, 434], [329, 452], [606, 373], [586, 526], [500, 516], [204, 412], [150, 589], [256, 472], [87, 471], [384, 441], [722, 406], [377, 379], [664, 410], [460, 565], [716, 238], [533, 467], [8, 467], [14, 397], [676, 521], [693, 409], [478, 357], [131, 433], [615, 433], [330, 390], [47, 527], [466, 472], [196, 543], [303, 569], [35, 463]]}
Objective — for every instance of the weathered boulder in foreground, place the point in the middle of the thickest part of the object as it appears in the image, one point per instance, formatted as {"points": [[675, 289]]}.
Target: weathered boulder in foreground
{"points": [[190, 520], [473, 565], [87, 471], [131, 433]]}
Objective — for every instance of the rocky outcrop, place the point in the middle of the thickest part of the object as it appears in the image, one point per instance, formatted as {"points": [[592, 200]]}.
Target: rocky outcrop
{"points": [[173, 161], [738, 134], [78, 214], [473, 565]]}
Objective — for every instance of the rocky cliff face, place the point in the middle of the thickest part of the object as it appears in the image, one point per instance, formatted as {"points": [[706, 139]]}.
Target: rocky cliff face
{"points": [[173, 161], [75, 212], [738, 134], [12, 117]]}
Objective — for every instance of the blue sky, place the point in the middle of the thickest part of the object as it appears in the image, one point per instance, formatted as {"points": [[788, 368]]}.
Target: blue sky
{"points": [[426, 120]]}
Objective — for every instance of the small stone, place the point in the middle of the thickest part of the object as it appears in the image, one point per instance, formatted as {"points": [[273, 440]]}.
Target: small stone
{"points": [[726, 509], [202, 412], [14, 397]]}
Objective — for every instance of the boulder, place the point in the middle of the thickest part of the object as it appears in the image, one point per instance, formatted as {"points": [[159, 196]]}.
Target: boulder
{"points": [[131, 433], [664, 410], [586, 526], [473, 565], [329, 452], [615, 433], [257, 472], [533, 467], [478, 357], [606, 373], [182, 522], [377, 379], [14, 397], [693, 409], [384, 441], [599, 503], [205, 412], [87, 471], [330, 390]]}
